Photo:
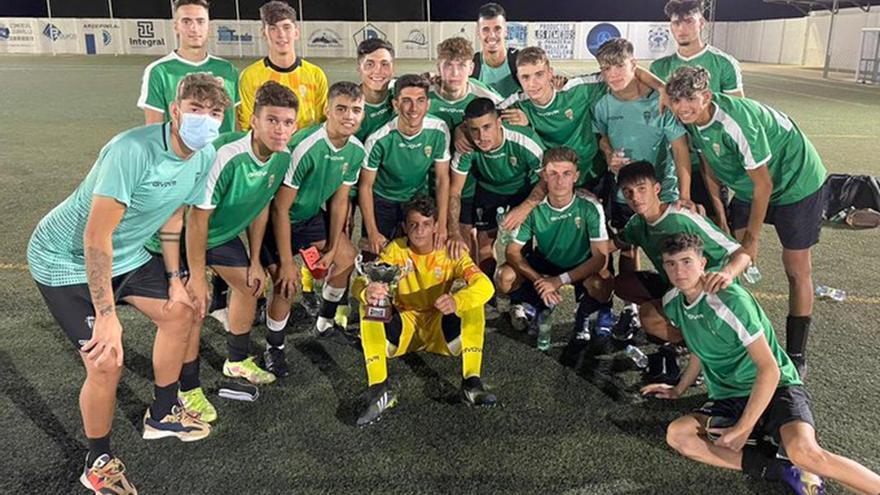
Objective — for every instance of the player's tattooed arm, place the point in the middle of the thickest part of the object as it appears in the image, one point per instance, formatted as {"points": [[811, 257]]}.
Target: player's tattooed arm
{"points": [[104, 216], [519, 213]]}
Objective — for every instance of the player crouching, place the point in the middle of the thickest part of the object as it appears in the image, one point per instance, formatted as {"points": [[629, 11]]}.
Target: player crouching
{"points": [[754, 388], [425, 314]]}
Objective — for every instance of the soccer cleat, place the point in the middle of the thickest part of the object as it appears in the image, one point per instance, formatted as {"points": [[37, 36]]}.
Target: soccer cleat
{"points": [[338, 335], [106, 476], [802, 482], [275, 362], [178, 423], [382, 398], [197, 405], [663, 366], [474, 394], [626, 326], [309, 301], [604, 322], [247, 369], [522, 315]]}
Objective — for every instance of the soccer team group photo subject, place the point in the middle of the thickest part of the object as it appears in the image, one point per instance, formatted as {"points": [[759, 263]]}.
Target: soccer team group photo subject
{"points": [[489, 188]]}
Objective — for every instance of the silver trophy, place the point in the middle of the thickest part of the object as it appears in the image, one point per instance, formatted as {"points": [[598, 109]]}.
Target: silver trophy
{"points": [[386, 273]]}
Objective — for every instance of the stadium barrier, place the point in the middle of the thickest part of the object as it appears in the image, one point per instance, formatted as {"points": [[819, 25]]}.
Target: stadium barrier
{"points": [[797, 41]]}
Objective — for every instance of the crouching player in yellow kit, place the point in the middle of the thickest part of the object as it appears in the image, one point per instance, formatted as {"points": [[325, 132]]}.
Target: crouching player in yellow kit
{"points": [[427, 316]]}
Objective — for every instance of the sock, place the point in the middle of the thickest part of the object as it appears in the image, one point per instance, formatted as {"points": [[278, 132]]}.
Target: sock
{"points": [[238, 346], [324, 324], [97, 448], [330, 299], [275, 335], [374, 346], [756, 464], [473, 326], [189, 376], [164, 399], [308, 282], [796, 330]]}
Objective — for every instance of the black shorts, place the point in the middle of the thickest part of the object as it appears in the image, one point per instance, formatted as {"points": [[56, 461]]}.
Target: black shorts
{"points": [[302, 235], [466, 217], [653, 283], [527, 293], [788, 404], [486, 204], [71, 305], [797, 224], [233, 253], [389, 217]]}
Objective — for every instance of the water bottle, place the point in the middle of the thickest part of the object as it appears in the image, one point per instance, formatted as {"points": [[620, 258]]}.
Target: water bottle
{"points": [[638, 357], [545, 327], [752, 275], [505, 236], [830, 293]]}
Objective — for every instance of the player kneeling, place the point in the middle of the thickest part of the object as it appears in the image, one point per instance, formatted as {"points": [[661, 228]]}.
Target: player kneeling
{"points": [[754, 388], [425, 314]]}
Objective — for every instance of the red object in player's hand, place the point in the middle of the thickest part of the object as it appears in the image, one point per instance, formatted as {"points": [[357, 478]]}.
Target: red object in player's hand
{"points": [[310, 257]]}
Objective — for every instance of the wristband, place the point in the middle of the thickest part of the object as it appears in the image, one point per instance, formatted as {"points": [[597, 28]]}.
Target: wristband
{"points": [[565, 278], [175, 274]]}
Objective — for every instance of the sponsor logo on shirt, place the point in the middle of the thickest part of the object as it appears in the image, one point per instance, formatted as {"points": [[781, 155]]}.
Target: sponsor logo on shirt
{"points": [[164, 183], [411, 146], [563, 216], [257, 173], [548, 114], [694, 317]]}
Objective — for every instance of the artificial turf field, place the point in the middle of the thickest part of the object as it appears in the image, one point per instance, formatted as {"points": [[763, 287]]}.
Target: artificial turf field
{"points": [[566, 426]]}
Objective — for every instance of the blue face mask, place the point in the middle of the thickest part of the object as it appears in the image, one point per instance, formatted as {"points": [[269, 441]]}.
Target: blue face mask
{"points": [[197, 131]]}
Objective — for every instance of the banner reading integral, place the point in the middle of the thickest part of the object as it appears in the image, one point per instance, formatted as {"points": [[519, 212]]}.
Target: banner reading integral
{"points": [[412, 40], [228, 37], [101, 36], [556, 38], [327, 39], [144, 36], [17, 35], [59, 36]]}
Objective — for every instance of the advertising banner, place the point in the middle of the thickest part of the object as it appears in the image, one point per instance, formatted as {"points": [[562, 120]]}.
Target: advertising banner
{"points": [[18, 35], [101, 36]]}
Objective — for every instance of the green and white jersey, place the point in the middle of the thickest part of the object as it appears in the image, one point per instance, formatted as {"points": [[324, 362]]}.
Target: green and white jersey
{"points": [[499, 78], [724, 72], [239, 186], [161, 78], [744, 135], [725, 75], [402, 163], [568, 121], [563, 235], [638, 127], [139, 169], [318, 169], [718, 329], [376, 115], [717, 249], [508, 169], [452, 113]]}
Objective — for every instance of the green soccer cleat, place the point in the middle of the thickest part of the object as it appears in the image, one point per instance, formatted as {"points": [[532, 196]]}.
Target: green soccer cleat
{"points": [[249, 370], [178, 423], [197, 405], [382, 398]]}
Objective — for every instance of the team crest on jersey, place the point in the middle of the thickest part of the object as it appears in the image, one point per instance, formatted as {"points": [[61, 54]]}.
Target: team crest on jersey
{"points": [[438, 273], [647, 115], [716, 147], [344, 168], [302, 91], [271, 181], [428, 150], [513, 161], [569, 114], [577, 222]]}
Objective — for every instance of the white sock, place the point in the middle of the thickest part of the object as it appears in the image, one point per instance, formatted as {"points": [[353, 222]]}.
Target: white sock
{"points": [[277, 325], [332, 294], [324, 324]]}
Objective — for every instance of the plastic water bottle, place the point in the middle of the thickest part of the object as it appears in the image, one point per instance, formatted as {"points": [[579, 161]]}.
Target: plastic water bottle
{"points": [[830, 293], [638, 357], [505, 236], [752, 275], [545, 327]]}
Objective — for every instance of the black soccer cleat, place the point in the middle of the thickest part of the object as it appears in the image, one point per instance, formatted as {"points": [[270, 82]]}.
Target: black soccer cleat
{"points": [[626, 326], [309, 301], [382, 399], [275, 362], [474, 394], [338, 335]]}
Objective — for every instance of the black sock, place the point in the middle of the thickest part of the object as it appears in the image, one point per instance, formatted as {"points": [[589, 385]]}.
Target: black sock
{"points": [[238, 346], [760, 466], [97, 448], [328, 308], [797, 328], [165, 399], [189, 376], [275, 339]]}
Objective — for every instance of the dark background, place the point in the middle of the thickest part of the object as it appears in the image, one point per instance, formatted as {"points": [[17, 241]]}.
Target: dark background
{"points": [[404, 10]]}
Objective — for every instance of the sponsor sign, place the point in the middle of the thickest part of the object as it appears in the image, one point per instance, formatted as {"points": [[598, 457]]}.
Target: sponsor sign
{"points": [[556, 38]]}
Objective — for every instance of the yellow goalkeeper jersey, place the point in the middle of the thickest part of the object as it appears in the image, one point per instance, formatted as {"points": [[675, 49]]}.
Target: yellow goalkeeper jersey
{"points": [[306, 79], [426, 277]]}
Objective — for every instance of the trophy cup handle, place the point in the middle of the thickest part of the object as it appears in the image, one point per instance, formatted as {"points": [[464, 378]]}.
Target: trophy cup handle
{"points": [[358, 264]]}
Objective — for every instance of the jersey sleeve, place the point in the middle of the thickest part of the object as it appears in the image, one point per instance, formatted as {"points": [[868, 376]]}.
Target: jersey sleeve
{"points": [[672, 128], [731, 75], [715, 241], [121, 167], [749, 138], [523, 233], [630, 233], [461, 163], [600, 117], [299, 169], [441, 150], [216, 185], [152, 95], [596, 222], [246, 94], [740, 312], [374, 154], [352, 174], [479, 288], [657, 69]]}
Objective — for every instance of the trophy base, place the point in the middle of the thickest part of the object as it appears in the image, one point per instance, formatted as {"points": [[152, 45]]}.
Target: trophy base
{"points": [[378, 313]]}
